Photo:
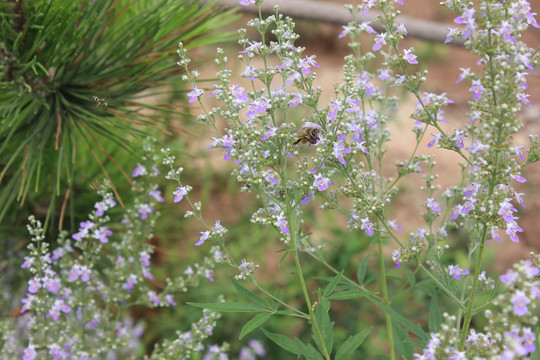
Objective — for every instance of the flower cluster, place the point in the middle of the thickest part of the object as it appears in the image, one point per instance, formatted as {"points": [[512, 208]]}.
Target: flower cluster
{"points": [[509, 333]]}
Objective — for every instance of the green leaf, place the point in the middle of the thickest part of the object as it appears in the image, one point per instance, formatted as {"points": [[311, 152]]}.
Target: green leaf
{"points": [[332, 285], [250, 294], [254, 323], [402, 341], [325, 326], [351, 344], [435, 318], [409, 325], [410, 276], [536, 355], [350, 294], [287, 252], [230, 307], [285, 342], [362, 269]]}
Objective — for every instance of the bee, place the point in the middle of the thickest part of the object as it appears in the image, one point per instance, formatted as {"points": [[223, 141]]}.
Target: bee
{"points": [[101, 101], [308, 135]]}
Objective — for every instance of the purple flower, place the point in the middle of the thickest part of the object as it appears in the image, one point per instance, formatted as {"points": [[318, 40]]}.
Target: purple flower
{"points": [[335, 106], [246, 2], [409, 56], [436, 139], [399, 80], [144, 258], [85, 273], [138, 171], [310, 195], [55, 351], [254, 47], [322, 183], [393, 224], [156, 194], [433, 205], [396, 257], [517, 150], [506, 210], [170, 299], [456, 272], [259, 106], [203, 238], [281, 222], [518, 178], [144, 210], [296, 99], [27, 303], [101, 207], [509, 278], [29, 353], [85, 227], [340, 150], [238, 92], [270, 133], [55, 310], [468, 19], [102, 234], [130, 282], [380, 40], [179, 193], [306, 63], [27, 262], [269, 176], [511, 229], [194, 94], [146, 273], [520, 301], [472, 189], [452, 32], [34, 284], [384, 74], [367, 226], [250, 73], [51, 284], [464, 73], [459, 138], [209, 274], [476, 89], [153, 297]]}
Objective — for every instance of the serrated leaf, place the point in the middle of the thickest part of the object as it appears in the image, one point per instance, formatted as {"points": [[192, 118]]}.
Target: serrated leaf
{"points": [[350, 294], [362, 269], [230, 307], [435, 318], [332, 285], [351, 344], [254, 323], [250, 294]]}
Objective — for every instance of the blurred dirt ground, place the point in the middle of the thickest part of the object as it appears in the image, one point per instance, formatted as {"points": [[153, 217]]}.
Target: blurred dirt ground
{"points": [[443, 63]]}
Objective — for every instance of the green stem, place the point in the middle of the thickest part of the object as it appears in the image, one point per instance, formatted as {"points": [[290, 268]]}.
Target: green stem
{"points": [[469, 310], [308, 303], [386, 300], [300, 313]]}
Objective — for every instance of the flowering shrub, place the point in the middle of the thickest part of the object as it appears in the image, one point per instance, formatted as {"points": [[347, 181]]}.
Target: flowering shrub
{"points": [[335, 153], [78, 294]]}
